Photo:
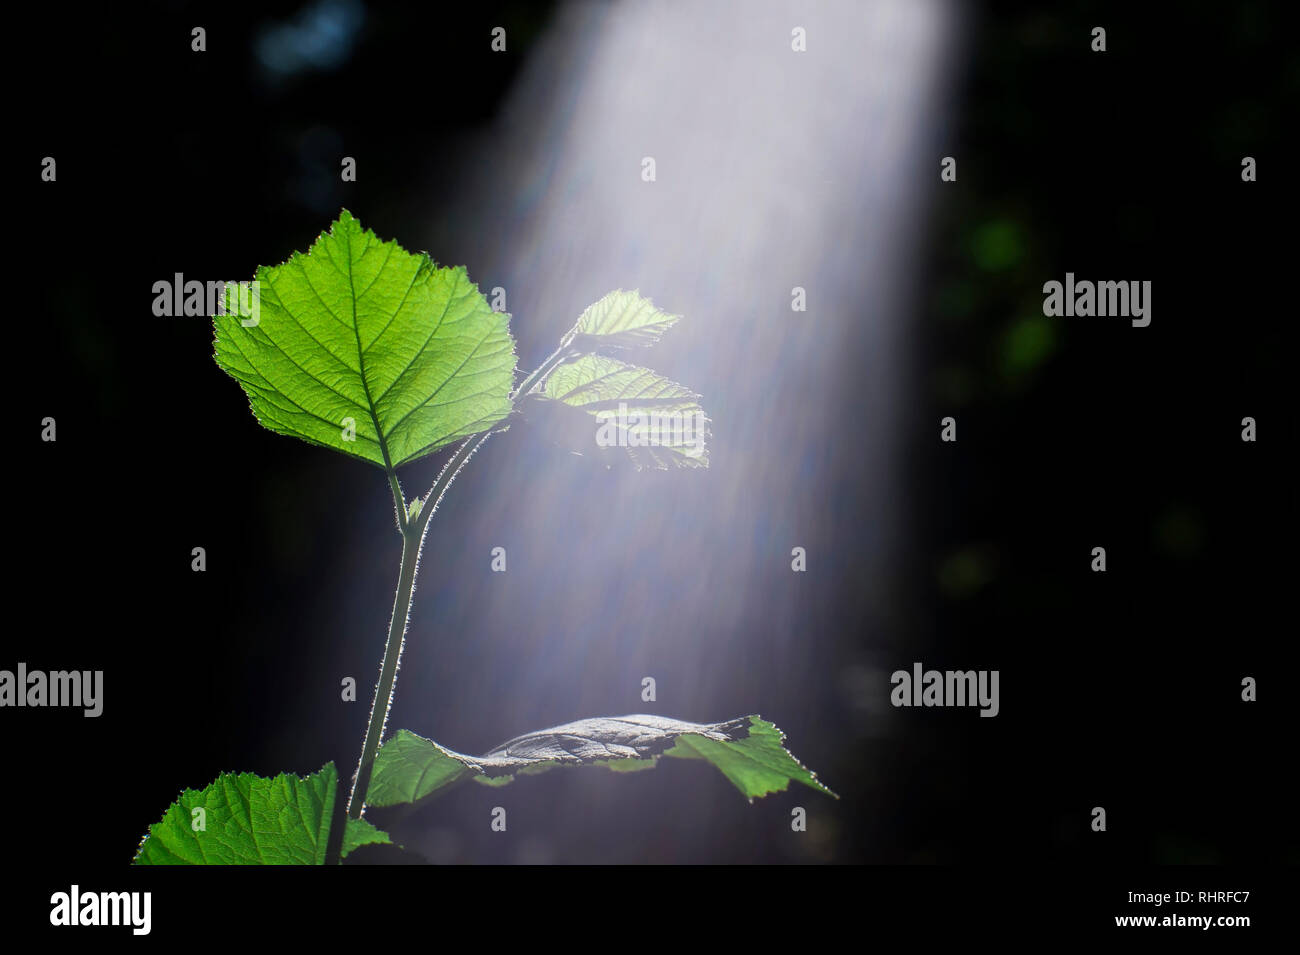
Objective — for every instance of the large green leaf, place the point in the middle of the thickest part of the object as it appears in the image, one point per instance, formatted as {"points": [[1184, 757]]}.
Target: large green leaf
{"points": [[251, 820], [656, 421], [360, 334], [749, 751]]}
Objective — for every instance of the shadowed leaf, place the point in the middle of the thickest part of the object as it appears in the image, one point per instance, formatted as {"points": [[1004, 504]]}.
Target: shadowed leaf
{"points": [[749, 751]]}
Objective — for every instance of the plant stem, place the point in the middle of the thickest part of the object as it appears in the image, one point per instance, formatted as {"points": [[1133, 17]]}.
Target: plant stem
{"points": [[383, 700], [412, 540], [399, 499]]}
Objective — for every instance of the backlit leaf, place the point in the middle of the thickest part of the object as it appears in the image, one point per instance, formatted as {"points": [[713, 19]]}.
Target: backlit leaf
{"points": [[365, 348], [621, 319], [251, 820], [657, 422]]}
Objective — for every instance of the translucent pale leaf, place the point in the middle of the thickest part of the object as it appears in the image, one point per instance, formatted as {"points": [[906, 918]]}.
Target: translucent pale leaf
{"points": [[622, 319], [657, 422]]}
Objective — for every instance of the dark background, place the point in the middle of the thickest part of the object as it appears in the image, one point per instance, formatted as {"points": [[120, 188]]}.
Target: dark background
{"points": [[1120, 690]]}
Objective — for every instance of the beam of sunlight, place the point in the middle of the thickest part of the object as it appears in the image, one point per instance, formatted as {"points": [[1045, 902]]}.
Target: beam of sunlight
{"points": [[774, 169]]}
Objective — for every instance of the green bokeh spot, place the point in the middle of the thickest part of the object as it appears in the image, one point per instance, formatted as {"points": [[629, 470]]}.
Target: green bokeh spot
{"points": [[1027, 344], [998, 245]]}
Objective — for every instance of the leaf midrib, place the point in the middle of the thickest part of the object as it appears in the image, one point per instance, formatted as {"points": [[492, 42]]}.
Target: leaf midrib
{"points": [[361, 362]]}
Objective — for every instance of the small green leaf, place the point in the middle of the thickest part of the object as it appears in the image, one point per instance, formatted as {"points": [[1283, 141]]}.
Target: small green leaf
{"points": [[409, 767], [251, 820], [749, 751], [623, 320], [365, 348], [359, 832], [656, 421]]}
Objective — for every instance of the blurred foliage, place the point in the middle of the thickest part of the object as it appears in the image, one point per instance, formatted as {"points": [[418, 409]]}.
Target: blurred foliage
{"points": [[967, 571], [1180, 532], [998, 245]]}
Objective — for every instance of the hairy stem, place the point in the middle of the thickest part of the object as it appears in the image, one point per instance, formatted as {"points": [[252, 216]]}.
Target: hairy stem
{"points": [[383, 700], [399, 499]]}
